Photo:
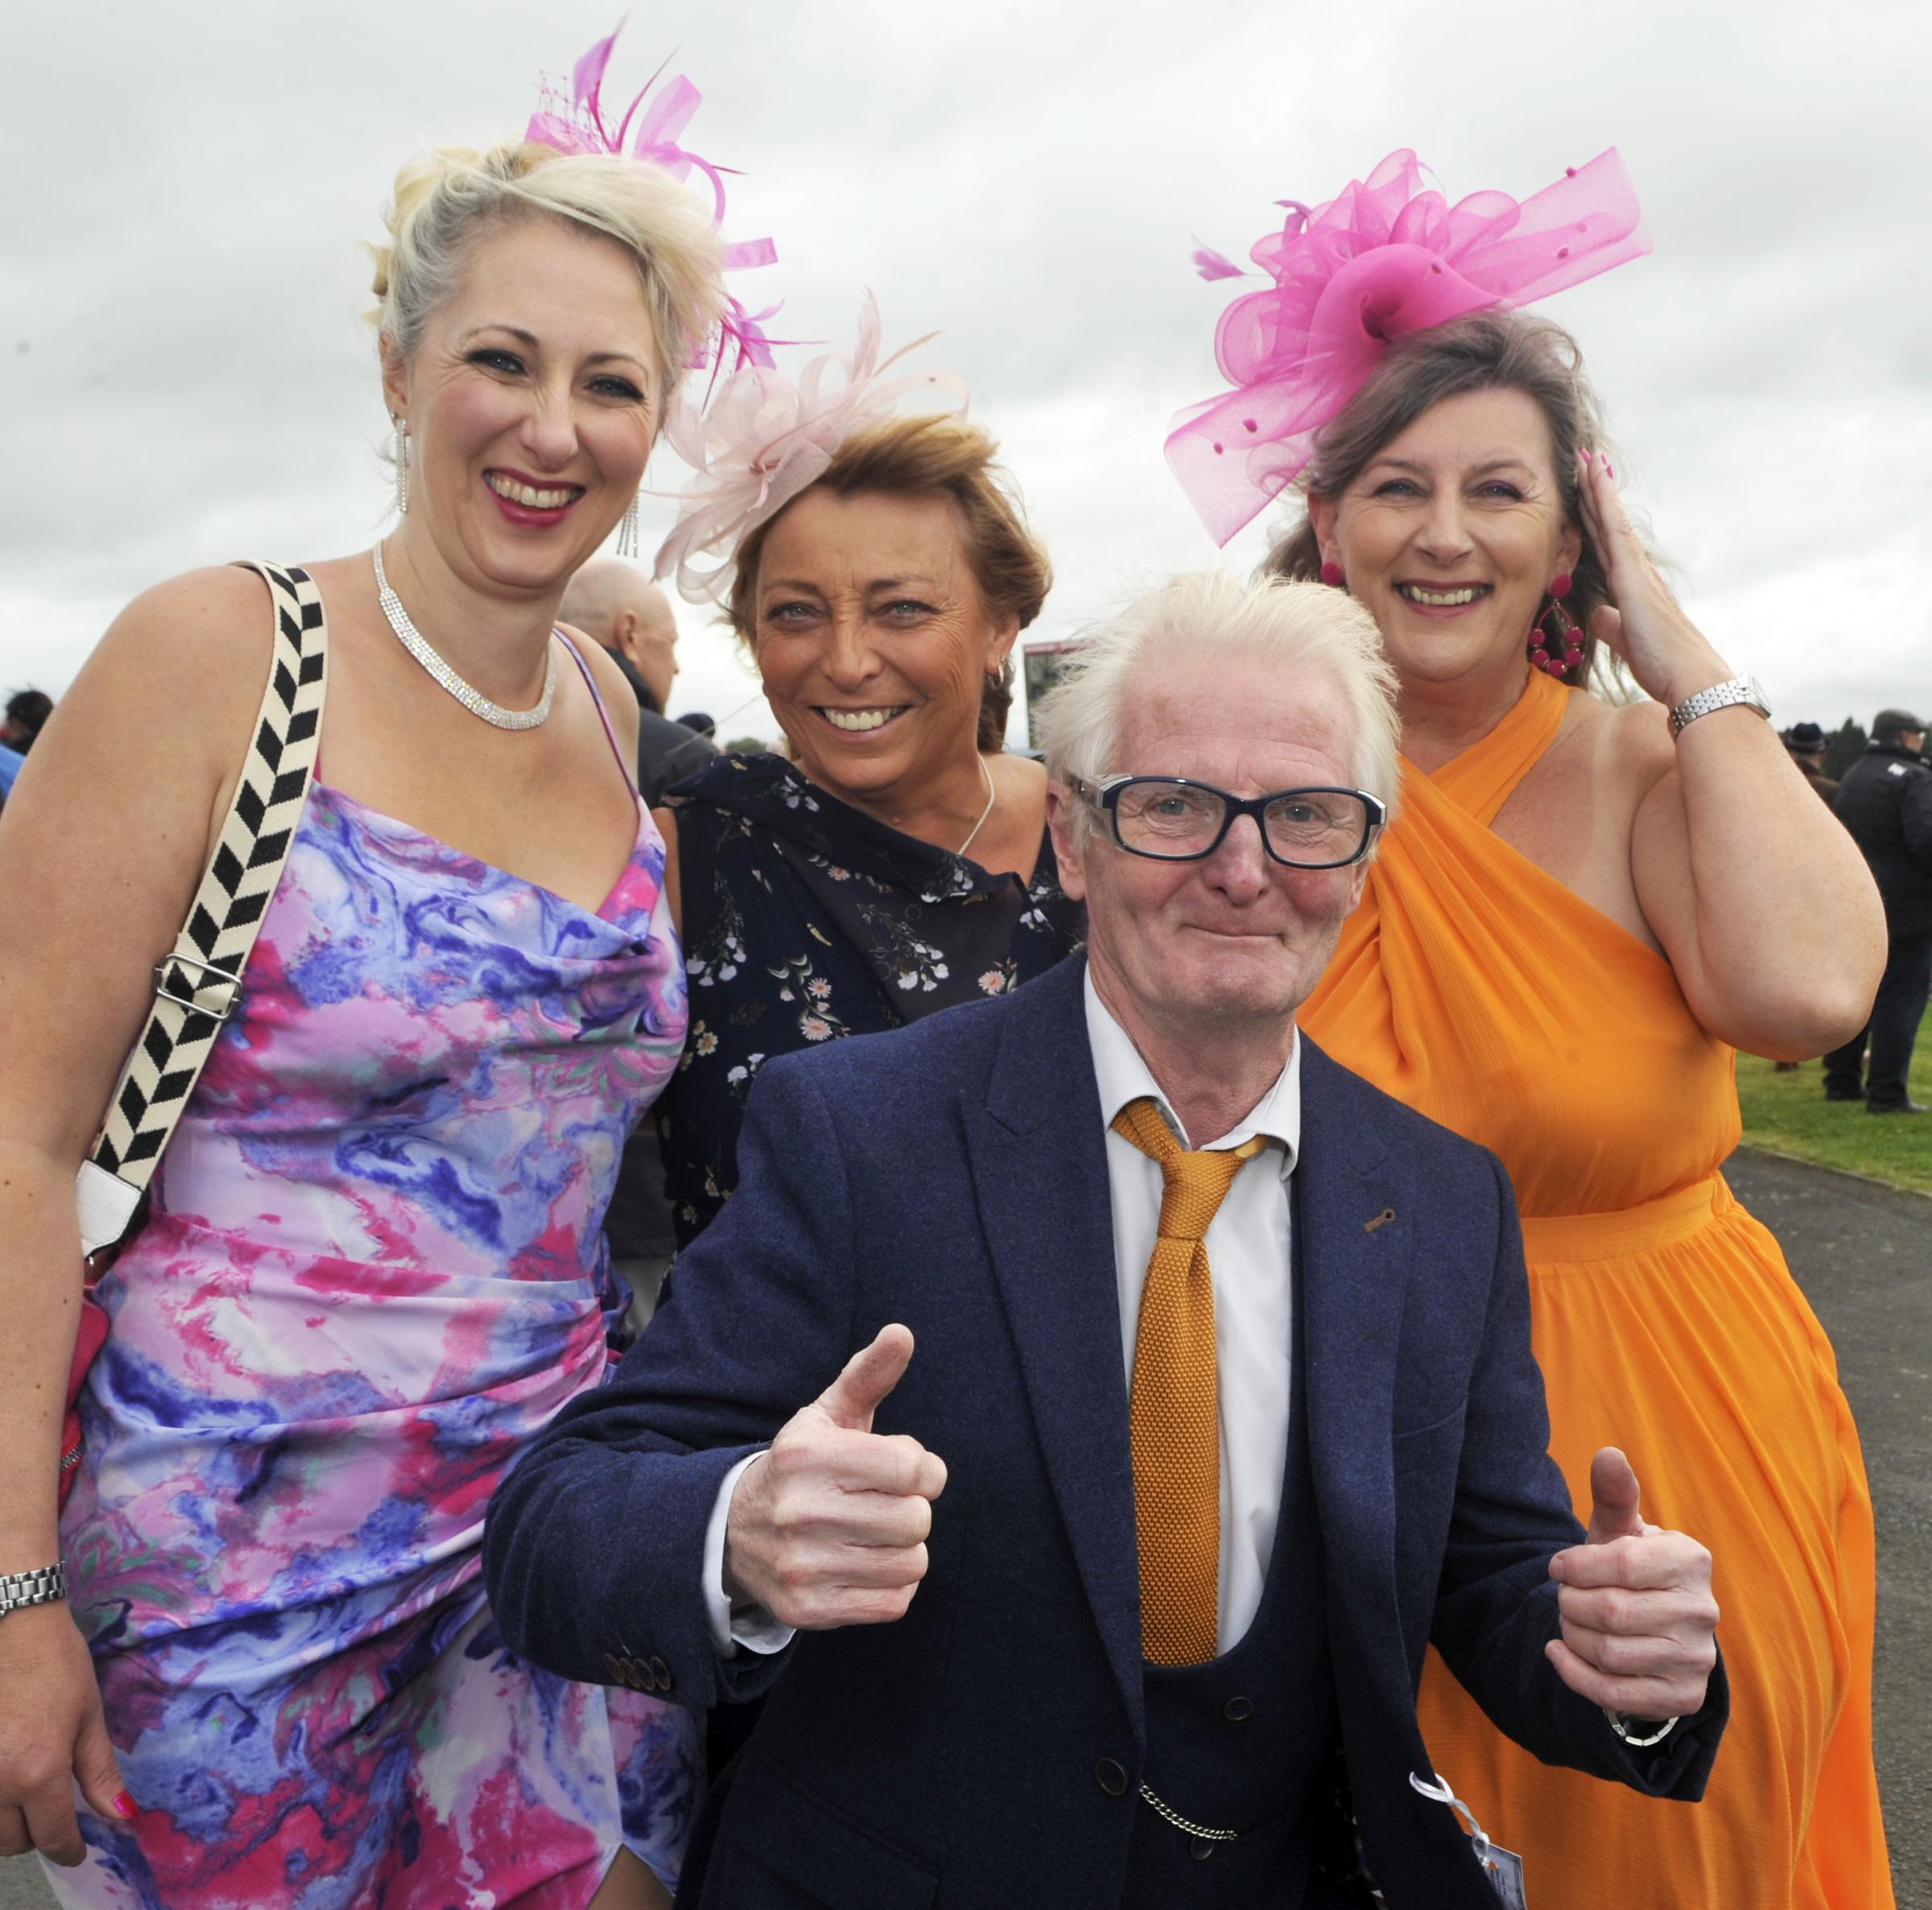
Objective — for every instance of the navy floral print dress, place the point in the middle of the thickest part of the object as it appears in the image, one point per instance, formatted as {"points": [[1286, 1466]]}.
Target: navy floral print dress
{"points": [[806, 921]]}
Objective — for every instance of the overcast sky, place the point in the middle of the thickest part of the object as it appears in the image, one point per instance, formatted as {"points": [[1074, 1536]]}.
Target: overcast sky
{"points": [[186, 378]]}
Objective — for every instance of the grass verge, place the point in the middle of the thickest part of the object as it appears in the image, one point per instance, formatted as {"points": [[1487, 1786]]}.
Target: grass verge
{"points": [[1788, 1115]]}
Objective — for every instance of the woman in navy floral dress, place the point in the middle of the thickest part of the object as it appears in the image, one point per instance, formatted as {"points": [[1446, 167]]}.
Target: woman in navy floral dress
{"points": [[900, 864], [806, 919]]}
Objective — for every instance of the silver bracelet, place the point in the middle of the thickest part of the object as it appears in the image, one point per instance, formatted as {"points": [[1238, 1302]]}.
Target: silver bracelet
{"points": [[1621, 1721], [1744, 689], [45, 1585]]}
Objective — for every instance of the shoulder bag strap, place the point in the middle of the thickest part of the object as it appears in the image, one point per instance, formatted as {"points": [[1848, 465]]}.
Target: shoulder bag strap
{"points": [[198, 983]]}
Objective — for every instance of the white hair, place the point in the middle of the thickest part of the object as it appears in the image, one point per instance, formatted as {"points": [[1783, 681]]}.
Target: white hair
{"points": [[1201, 623]]}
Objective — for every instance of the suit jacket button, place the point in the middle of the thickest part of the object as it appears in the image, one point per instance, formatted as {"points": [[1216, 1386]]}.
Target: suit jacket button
{"points": [[1113, 1776], [1200, 1850], [1237, 1709], [660, 1673]]}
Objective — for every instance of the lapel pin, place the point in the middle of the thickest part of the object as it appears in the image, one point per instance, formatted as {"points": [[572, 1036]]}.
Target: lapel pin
{"points": [[1382, 1219]]}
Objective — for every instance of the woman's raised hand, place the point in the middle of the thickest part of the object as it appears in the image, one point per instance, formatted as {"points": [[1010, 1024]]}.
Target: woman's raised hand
{"points": [[52, 1735], [1669, 656]]}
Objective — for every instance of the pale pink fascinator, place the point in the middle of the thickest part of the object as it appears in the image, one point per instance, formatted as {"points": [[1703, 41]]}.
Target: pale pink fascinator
{"points": [[1384, 258], [581, 126], [761, 439]]}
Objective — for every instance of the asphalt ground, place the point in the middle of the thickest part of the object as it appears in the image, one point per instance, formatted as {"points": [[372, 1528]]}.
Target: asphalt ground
{"points": [[1862, 1253]]}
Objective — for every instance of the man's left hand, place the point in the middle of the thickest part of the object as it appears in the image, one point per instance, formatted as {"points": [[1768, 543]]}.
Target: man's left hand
{"points": [[1639, 1625]]}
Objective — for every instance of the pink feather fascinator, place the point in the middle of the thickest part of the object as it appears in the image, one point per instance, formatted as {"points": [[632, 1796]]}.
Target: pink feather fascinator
{"points": [[1385, 258], [761, 439], [651, 131]]}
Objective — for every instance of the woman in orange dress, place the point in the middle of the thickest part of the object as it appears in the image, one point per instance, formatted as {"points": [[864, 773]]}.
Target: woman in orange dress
{"points": [[1581, 912]]}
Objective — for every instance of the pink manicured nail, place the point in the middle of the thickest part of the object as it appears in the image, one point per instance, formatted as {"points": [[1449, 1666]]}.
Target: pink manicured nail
{"points": [[124, 1807]]}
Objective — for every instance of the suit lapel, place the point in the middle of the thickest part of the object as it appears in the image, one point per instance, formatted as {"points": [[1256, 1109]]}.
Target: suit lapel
{"points": [[1039, 1164], [1354, 1276]]}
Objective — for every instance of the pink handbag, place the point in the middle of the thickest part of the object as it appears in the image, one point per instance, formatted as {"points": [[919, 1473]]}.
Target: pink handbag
{"points": [[88, 1342], [198, 983]]}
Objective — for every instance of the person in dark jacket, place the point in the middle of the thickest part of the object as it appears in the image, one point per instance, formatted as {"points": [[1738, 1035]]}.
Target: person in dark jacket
{"points": [[1885, 801], [26, 714], [617, 607], [1075, 1680], [1806, 743]]}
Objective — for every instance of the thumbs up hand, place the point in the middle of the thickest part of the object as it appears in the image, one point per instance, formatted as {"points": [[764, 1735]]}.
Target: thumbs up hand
{"points": [[829, 1527], [1639, 1623]]}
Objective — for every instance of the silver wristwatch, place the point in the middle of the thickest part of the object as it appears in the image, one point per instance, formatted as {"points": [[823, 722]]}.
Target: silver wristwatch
{"points": [[1719, 696], [44, 1586], [1629, 1728]]}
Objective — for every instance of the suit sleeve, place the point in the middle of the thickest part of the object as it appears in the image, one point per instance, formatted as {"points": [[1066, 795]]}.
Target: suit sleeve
{"points": [[1496, 1606], [593, 1549]]}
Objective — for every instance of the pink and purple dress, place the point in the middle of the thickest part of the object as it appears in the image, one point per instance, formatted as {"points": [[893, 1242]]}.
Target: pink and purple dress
{"points": [[373, 1270]]}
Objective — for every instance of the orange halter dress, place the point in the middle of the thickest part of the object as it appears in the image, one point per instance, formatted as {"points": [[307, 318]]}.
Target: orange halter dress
{"points": [[1481, 991]]}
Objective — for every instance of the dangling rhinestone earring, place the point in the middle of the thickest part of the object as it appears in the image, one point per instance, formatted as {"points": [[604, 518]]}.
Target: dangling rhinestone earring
{"points": [[1332, 576], [1559, 649], [627, 530], [401, 459]]}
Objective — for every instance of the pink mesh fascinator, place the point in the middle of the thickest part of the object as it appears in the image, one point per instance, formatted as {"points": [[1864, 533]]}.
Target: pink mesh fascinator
{"points": [[1384, 258], [761, 439], [581, 127]]}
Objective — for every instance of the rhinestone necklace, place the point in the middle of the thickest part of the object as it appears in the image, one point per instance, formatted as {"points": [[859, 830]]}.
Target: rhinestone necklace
{"points": [[471, 699]]}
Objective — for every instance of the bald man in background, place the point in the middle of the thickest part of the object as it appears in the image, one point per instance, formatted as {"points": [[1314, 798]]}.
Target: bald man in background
{"points": [[616, 606]]}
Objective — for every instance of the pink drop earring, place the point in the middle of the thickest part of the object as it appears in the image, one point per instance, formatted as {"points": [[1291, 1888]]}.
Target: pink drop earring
{"points": [[1559, 649], [1332, 576]]}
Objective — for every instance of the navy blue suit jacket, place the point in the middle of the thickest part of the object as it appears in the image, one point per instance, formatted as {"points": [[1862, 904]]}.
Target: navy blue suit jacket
{"points": [[953, 1175]]}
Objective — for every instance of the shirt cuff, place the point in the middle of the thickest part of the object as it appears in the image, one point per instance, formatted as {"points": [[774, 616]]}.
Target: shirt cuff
{"points": [[742, 1623]]}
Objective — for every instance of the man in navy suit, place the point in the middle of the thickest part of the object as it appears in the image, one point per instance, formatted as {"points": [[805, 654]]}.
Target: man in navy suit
{"points": [[1222, 1407]]}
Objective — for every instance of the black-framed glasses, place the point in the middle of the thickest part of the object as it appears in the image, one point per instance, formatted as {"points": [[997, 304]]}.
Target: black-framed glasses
{"points": [[1173, 818]]}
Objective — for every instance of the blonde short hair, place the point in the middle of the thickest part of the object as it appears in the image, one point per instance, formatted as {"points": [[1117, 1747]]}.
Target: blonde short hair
{"points": [[446, 199], [1205, 623]]}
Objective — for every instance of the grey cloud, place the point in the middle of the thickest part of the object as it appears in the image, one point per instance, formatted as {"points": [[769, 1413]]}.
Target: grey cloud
{"points": [[1030, 181]]}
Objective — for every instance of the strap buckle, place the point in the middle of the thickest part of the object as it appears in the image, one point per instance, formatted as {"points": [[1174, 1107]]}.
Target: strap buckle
{"points": [[221, 980]]}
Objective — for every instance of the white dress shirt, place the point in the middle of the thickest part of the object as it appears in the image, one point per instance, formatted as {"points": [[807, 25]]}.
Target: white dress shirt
{"points": [[1248, 1250], [1247, 1256]]}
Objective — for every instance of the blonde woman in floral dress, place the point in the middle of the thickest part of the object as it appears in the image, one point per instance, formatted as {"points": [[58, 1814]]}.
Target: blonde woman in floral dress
{"points": [[372, 1267]]}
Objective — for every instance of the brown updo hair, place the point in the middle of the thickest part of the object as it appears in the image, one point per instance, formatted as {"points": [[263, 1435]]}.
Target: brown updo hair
{"points": [[932, 457], [1487, 351]]}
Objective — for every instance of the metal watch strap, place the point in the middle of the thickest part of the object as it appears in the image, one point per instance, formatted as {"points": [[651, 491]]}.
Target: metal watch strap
{"points": [[1627, 1728], [45, 1585], [1719, 696]]}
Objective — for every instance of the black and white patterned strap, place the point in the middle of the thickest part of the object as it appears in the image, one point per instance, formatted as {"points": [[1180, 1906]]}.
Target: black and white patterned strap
{"points": [[197, 983]]}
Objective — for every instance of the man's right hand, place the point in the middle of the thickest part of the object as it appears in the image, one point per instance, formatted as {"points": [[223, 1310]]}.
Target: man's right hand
{"points": [[828, 1528]]}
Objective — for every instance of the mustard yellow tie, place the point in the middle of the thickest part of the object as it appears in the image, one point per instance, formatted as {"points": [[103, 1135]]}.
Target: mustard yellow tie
{"points": [[1173, 1405]]}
